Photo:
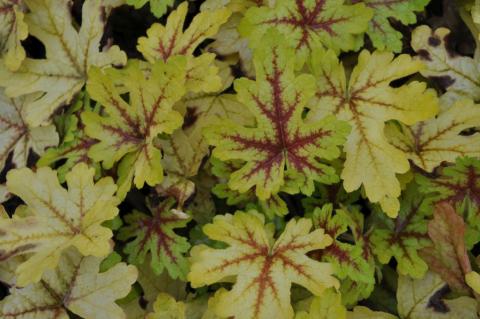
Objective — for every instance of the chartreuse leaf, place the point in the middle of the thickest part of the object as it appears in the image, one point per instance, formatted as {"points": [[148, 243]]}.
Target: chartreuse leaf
{"points": [[55, 218], [281, 146], [351, 260], [74, 286], [75, 144], [473, 281], [264, 268], [459, 75], [367, 101], [163, 42], [448, 257], [329, 306], [126, 135], [166, 307], [13, 30], [424, 299], [382, 34], [309, 23], [429, 143], [155, 235], [18, 137], [69, 55], [157, 7], [455, 183], [405, 236]]}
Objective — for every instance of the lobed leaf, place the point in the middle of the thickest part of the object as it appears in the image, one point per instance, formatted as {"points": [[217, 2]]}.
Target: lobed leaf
{"points": [[157, 7], [13, 30]]}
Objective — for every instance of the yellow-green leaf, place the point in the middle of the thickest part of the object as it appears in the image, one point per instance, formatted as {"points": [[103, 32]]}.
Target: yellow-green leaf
{"points": [[75, 286], [366, 100], [55, 218], [70, 51], [264, 268], [12, 31]]}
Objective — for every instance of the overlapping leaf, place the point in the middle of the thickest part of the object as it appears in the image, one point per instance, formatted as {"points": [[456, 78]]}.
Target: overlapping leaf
{"points": [[69, 54], [18, 138], [380, 31], [459, 75], [367, 101], [404, 237], [424, 298], [75, 286], [55, 218], [282, 145], [163, 42], [264, 268], [155, 235], [126, 135], [308, 24], [12, 31], [429, 143]]}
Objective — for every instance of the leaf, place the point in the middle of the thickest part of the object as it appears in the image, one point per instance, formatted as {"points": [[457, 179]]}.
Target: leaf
{"points": [[454, 183], [76, 286], [423, 299], [166, 307], [367, 101], [126, 135], [361, 312], [459, 75], [74, 145], [438, 140], [405, 236], [264, 268], [281, 145], [309, 24], [353, 261], [157, 7], [472, 279], [448, 256], [382, 34], [163, 42], [69, 54], [155, 235], [12, 31], [19, 138], [55, 218]]}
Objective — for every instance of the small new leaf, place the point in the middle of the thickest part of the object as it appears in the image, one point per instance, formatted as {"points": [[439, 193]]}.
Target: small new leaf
{"points": [[309, 24], [126, 135], [69, 55], [264, 268], [55, 218], [157, 7], [281, 145], [367, 101], [438, 140], [155, 235], [74, 286]]}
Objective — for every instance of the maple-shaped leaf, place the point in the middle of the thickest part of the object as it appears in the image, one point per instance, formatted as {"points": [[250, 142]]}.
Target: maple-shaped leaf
{"points": [[155, 235], [448, 256], [17, 137], [69, 55], [163, 42], [454, 183], [55, 218], [403, 237], [424, 298], [264, 268], [308, 24], [459, 75], [13, 30], [157, 7], [166, 307], [367, 100], [75, 144], [380, 31], [74, 286], [281, 145], [429, 143], [353, 261], [126, 135]]}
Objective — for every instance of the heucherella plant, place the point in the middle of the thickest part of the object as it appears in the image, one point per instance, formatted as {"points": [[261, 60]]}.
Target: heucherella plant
{"points": [[239, 159]]}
